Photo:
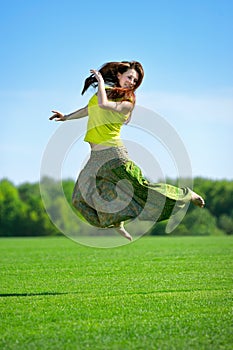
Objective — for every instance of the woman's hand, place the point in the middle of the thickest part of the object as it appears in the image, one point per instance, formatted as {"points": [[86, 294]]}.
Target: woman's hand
{"points": [[58, 116], [97, 75]]}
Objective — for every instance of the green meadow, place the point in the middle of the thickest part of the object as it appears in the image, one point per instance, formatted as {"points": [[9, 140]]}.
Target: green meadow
{"points": [[155, 293]]}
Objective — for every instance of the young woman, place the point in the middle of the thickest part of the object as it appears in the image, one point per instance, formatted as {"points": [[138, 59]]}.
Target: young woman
{"points": [[111, 188]]}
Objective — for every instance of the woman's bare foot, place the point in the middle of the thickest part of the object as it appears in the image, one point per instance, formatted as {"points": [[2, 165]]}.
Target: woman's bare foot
{"points": [[120, 229], [197, 200]]}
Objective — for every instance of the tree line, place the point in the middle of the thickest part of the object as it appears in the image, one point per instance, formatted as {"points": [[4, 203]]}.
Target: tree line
{"points": [[22, 211]]}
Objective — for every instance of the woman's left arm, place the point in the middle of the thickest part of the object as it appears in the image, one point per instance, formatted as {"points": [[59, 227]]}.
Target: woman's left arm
{"points": [[124, 107]]}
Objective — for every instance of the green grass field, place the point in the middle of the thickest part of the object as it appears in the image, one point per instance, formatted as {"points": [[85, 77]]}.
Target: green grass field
{"points": [[156, 293]]}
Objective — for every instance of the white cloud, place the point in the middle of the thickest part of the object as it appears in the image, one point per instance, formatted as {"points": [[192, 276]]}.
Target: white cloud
{"points": [[211, 107], [204, 122]]}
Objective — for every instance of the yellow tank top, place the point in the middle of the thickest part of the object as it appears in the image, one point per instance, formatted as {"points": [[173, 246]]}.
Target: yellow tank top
{"points": [[103, 125]]}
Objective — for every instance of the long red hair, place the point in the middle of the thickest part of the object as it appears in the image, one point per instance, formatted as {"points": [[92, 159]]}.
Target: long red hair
{"points": [[109, 73]]}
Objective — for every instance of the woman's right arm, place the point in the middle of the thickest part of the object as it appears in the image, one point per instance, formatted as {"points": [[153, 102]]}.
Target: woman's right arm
{"points": [[60, 117]]}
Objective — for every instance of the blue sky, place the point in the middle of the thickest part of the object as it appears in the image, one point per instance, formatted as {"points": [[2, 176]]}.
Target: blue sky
{"points": [[48, 48]]}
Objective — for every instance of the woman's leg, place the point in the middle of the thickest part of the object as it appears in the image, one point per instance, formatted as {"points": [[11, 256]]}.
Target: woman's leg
{"points": [[122, 231]]}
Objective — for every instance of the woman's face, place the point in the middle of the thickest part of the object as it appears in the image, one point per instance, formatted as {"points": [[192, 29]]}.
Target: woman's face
{"points": [[128, 79]]}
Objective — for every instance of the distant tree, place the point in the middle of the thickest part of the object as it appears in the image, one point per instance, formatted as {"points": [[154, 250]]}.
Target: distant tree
{"points": [[226, 223], [68, 187], [57, 197], [200, 222], [37, 222], [218, 195], [24, 213], [13, 210], [196, 222], [158, 229]]}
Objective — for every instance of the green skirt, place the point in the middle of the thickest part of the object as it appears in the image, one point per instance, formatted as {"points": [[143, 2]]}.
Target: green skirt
{"points": [[112, 189]]}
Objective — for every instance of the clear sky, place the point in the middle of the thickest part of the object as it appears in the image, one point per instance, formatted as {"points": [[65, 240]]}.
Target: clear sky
{"points": [[48, 48]]}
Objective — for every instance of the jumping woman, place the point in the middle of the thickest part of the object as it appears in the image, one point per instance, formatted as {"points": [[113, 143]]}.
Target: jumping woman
{"points": [[111, 188]]}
